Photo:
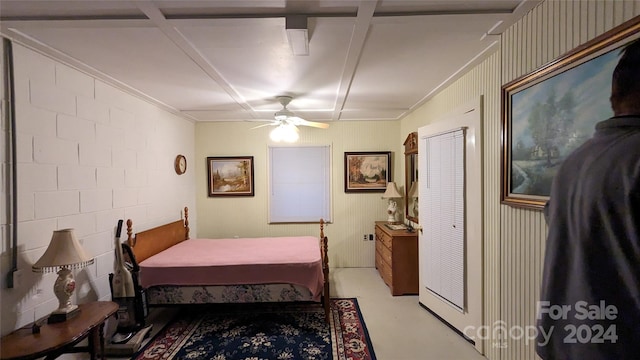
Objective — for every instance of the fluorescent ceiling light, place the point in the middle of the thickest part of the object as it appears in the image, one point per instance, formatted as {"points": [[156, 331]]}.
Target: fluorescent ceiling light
{"points": [[297, 34]]}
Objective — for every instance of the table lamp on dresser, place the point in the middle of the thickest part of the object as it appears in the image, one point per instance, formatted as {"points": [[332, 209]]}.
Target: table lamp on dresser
{"points": [[63, 255], [391, 193]]}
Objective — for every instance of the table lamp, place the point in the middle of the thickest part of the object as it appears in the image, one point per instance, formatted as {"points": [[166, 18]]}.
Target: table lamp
{"points": [[63, 254], [391, 193]]}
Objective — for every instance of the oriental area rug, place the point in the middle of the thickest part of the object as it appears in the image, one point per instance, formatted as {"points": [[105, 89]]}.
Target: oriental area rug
{"points": [[263, 331]]}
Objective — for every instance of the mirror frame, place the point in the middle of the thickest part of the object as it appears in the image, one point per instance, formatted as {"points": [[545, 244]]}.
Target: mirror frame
{"points": [[410, 171]]}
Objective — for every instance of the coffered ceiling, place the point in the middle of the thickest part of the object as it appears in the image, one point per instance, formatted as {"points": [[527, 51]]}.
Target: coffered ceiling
{"points": [[227, 60]]}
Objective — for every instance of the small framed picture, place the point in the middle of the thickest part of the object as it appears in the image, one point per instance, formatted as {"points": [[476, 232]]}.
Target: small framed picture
{"points": [[230, 176], [367, 171]]}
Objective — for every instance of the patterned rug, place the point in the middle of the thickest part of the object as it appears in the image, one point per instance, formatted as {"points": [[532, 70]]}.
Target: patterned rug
{"points": [[263, 331]]}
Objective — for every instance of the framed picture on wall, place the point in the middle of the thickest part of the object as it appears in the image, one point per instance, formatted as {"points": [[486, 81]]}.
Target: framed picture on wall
{"points": [[550, 112], [230, 176], [367, 171]]}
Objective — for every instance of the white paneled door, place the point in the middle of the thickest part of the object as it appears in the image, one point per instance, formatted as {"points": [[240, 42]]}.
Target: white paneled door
{"points": [[450, 241]]}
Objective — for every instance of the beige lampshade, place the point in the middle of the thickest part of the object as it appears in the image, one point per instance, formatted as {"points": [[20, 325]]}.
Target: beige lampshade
{"points": [[413, 192], [64, 250], [391, 192]]}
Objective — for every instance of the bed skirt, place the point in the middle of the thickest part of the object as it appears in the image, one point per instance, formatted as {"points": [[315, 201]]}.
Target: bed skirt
{"points": [[170, 295]]}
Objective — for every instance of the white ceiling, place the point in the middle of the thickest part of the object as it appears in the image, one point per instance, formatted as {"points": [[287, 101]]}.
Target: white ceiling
{"points": [[227, 60]]}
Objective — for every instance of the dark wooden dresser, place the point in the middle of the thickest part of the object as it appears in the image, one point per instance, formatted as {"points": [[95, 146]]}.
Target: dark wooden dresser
{"points": [[397, 259]]}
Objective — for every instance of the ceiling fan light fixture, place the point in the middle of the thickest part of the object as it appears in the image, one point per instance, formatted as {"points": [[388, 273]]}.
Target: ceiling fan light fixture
{"points": [[297, 34], [285, 132], [282, 115]]}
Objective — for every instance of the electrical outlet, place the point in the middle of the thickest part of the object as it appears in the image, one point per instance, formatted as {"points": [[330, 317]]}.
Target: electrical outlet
{"points": [[370, 237], [364, 237]]}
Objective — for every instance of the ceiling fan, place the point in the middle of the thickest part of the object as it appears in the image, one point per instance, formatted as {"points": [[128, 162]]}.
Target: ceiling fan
{"points": [[287, 123], [286, 116]]}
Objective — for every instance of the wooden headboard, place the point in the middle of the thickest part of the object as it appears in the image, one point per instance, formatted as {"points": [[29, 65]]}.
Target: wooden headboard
{"points": [[150, 242]]}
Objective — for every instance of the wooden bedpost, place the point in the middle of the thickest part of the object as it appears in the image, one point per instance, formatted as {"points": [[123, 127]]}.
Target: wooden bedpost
{"points": [[186, 223], [130, 240], [326, 298]]}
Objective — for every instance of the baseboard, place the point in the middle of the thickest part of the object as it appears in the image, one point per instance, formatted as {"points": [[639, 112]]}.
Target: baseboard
{"points": [[447, 323]]}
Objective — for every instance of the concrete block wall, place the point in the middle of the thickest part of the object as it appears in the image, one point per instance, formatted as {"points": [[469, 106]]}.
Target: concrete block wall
{"points": [[88, 154]]}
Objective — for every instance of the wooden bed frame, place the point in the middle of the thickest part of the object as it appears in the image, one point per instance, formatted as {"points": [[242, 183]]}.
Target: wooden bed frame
{"points": [[150, 242]]}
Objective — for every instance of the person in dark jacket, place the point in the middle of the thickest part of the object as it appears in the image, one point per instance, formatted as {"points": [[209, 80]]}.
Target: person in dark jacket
{"points": [[589, 304]]}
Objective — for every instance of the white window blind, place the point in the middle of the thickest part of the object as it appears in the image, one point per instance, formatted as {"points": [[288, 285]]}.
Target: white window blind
{"points": [[299, 184], [442, 202]]}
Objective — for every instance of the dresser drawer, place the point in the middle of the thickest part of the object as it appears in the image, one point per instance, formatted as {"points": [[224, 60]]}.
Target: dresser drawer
{"points": [[384, 238], [384, 253], [379, 247], [385, 272]]}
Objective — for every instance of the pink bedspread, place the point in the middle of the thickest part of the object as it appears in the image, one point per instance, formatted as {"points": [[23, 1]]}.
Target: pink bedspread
{"points": [[290, 260]]}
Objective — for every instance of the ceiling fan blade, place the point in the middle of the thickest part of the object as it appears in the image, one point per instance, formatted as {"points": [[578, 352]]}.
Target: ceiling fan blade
{"points": [[302, 122], [263, 125]]}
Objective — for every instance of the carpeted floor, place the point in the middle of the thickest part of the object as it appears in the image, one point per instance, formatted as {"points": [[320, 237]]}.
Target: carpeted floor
{"points": [[263, 331]]}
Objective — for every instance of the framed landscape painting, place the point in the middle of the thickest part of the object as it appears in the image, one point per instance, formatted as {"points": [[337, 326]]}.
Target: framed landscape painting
{"points": [[550, 112], [230, 176], [367, 171]]}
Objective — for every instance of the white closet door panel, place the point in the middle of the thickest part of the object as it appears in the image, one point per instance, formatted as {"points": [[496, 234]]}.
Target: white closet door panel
{"points": [[443, 205], [457, 244]]}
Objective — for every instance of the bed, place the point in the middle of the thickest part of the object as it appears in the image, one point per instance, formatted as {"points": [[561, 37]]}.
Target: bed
{"points": [[175, 269]]}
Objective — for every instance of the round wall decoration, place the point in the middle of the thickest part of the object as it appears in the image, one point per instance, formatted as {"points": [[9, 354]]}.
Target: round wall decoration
{"points": [[180, 164]]}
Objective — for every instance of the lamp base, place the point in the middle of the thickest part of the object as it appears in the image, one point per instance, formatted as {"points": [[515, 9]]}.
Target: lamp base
{"points": [[391, 211], [62, 316]]}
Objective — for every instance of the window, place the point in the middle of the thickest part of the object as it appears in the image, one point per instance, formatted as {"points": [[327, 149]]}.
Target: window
{"points": [[299, 183]]}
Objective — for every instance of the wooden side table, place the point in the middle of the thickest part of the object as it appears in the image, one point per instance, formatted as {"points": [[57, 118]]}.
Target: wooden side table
{"points": [[59, 338]]}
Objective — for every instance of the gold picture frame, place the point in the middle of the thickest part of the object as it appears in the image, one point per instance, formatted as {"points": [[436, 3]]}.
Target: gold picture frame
{"points": [[549, 112], [230, 176]]}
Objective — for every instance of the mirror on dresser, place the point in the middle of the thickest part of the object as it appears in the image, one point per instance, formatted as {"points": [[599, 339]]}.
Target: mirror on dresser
{"points": [[411, 177]]}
